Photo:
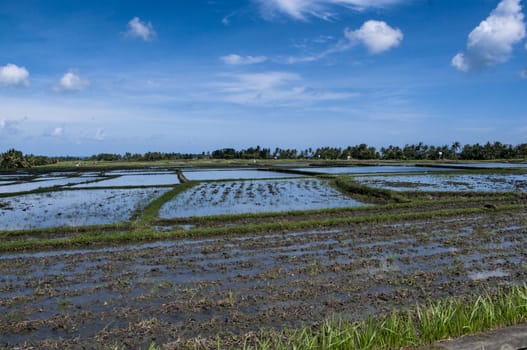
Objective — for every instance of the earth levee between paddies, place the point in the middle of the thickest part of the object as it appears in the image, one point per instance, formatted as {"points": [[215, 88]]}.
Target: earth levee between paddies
{"points": [[187, 258]]}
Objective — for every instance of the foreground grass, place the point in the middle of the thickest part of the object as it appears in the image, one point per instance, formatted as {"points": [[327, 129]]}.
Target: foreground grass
{"points": [[406, 328], [422, 325]]}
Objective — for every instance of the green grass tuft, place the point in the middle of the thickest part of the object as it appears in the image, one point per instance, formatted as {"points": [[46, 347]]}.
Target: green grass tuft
{"points": [[349, 186], [151, 211], [420, 326]]}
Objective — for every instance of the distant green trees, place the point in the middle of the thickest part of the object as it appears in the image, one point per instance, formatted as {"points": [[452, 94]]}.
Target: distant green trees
{"points": [[497, 150], [419, 151], [14, 159], [361, 151], [138, 157]]}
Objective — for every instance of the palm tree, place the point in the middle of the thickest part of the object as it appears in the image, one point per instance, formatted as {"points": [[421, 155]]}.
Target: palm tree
{"points": [[455, 148]]}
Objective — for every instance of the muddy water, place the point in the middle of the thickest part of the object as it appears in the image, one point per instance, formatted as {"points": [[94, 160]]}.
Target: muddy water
{"points": [[200, 288]]}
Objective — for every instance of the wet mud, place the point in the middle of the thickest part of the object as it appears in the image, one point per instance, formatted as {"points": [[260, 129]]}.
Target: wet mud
{"points": [[179, 291]]}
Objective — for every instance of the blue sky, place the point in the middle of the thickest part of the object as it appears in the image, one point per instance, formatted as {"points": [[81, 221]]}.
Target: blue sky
{"points": [[79, 77]]}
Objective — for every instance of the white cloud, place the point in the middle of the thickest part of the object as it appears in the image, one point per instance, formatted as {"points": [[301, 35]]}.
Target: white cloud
{"points": [[100, 135], [57, 132], [273, 88], [523, 74], [227, 19], [377, 36], [459, 61], [71, 82], [9, 126], [139, 29], [258, 81], [303, 9], [234, 59], [322, 39], [341, 46], [492, 41], [13, 75]]}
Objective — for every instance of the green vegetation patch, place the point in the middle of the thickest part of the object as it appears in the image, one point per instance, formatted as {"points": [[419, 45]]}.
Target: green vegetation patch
{"points": [[348, 185], [151, 211], [422, 325]]}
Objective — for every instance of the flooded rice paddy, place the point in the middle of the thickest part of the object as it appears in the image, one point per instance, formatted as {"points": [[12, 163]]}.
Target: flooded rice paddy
{"points": [[39, 183], [488, 165], [255, 196], [135, 180], [190, 291], [233, 174], [73, 208], [265, 191], [371, 169], [449, 183]]}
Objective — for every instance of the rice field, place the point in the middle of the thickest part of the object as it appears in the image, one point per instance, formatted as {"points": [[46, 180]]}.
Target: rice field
{"points": [[449, 183], [254, 259], [73, 208], [255, 196]]}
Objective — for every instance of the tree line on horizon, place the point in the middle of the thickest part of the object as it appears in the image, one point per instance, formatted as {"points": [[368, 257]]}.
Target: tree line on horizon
{"points": [[15, 159]]}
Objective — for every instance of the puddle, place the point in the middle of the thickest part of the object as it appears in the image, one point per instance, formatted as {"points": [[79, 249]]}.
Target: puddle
{"points": [[163, 228], [199, 175], [255, 196], [73, 208], [173, 227], [483, 275]]}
